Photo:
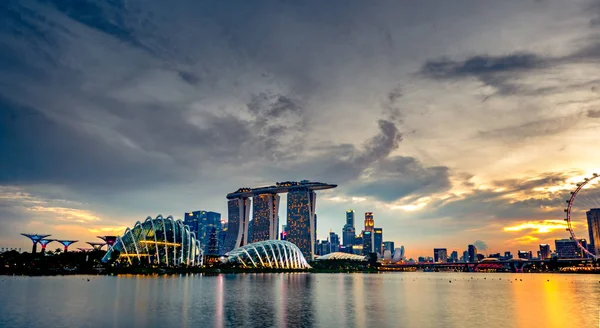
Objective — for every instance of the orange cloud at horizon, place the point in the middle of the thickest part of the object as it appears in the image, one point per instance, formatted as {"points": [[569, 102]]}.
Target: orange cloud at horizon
{"points": [[544, 226]]}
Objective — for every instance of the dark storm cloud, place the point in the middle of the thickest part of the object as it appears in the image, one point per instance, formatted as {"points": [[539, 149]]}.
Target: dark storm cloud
{"points": [[497, 203], [399, 176], [593, 113], [481, 65]]}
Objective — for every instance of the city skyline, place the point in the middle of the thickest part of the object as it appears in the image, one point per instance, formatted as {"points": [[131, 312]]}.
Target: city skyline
{"points": [[448, 127]]}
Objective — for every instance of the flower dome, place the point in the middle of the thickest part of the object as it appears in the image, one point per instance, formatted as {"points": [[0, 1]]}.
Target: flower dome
{"points": [[159, 241], [341, 256], [271, 254]]}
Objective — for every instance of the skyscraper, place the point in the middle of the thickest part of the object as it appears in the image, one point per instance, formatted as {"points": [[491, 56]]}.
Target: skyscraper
{"points": [[388, 246], [350, 218], [368, 242], [237, 225], [593, 221], [544, 251], [201, 223], [334, 242], [440, 255], [378, 241], [369, 221], [265, 219], [454, 257], [349, 231], [300, 220], [472, 253]]}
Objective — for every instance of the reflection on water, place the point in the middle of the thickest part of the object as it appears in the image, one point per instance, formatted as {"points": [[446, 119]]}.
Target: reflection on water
{"points": [[302, 300]]}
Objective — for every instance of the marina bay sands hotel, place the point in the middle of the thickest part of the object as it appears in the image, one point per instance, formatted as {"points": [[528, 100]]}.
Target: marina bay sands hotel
{"points": [[301, 225]]}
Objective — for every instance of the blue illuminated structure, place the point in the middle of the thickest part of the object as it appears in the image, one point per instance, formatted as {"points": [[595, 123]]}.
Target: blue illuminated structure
{"points": [[35, 239], [67, 243], [44, 243]]}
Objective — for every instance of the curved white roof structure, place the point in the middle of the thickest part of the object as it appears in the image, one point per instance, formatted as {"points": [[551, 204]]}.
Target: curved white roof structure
{"points": [[160, 241], [341, 256], [269, 254]]}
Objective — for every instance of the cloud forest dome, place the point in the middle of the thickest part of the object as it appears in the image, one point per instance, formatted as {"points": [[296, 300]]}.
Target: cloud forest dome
{"points": [[341, 256], [159, 241], [272, 254]]}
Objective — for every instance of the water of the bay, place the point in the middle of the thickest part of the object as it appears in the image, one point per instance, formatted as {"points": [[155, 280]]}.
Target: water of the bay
{"points": [[302, 300]]}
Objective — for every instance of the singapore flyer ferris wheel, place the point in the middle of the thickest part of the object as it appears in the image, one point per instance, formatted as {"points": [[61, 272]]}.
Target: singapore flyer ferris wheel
{"points": [[580, 202]]}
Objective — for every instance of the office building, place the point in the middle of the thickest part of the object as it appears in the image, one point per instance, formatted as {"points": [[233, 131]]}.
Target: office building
{"points": [[367, 242], [378, 241], [265, 218], [369, 222], [465, 257], [349, 230], [472, 253], [544, 251], [388, 246], [593, 221], [567, 249], [334, 242], [201, 223], [454, 257], [440, 255]]}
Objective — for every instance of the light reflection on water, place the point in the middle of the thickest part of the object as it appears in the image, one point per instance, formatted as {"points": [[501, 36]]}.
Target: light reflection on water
{"points": [[302, 300]]}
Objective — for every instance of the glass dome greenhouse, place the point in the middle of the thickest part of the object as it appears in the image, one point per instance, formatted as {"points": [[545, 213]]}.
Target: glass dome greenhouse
{"points": [[268, 254], [160, 241]]}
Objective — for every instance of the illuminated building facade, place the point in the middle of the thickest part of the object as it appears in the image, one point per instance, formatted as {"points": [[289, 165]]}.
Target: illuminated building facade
{"points": [[265, 218], [568, 249], [237, 225], [440, 255], [369, 222], [367, 242], [593, 221], [268, 254], [378, 241], [159, 241], [300, 220], [201, 223]]}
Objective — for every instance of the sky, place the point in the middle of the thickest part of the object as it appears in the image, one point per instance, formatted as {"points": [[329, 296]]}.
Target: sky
{"points": [[453, 121]]}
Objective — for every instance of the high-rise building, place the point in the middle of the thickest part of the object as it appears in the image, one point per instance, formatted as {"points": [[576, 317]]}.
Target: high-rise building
{"points": [[472, 253], [507, 256], [300, 220], [388, 246], [567, 248], [593, 221], [544, 251], [348, 235], [350, 218], [213, 242], [367, 242], [237, 224], [402, 254], [378, 241], [454, 257], [369, 222], [265, 219], [349, 230], [201, 223], [465, 257], [334, 242], [440, 255], [315, 225]]}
